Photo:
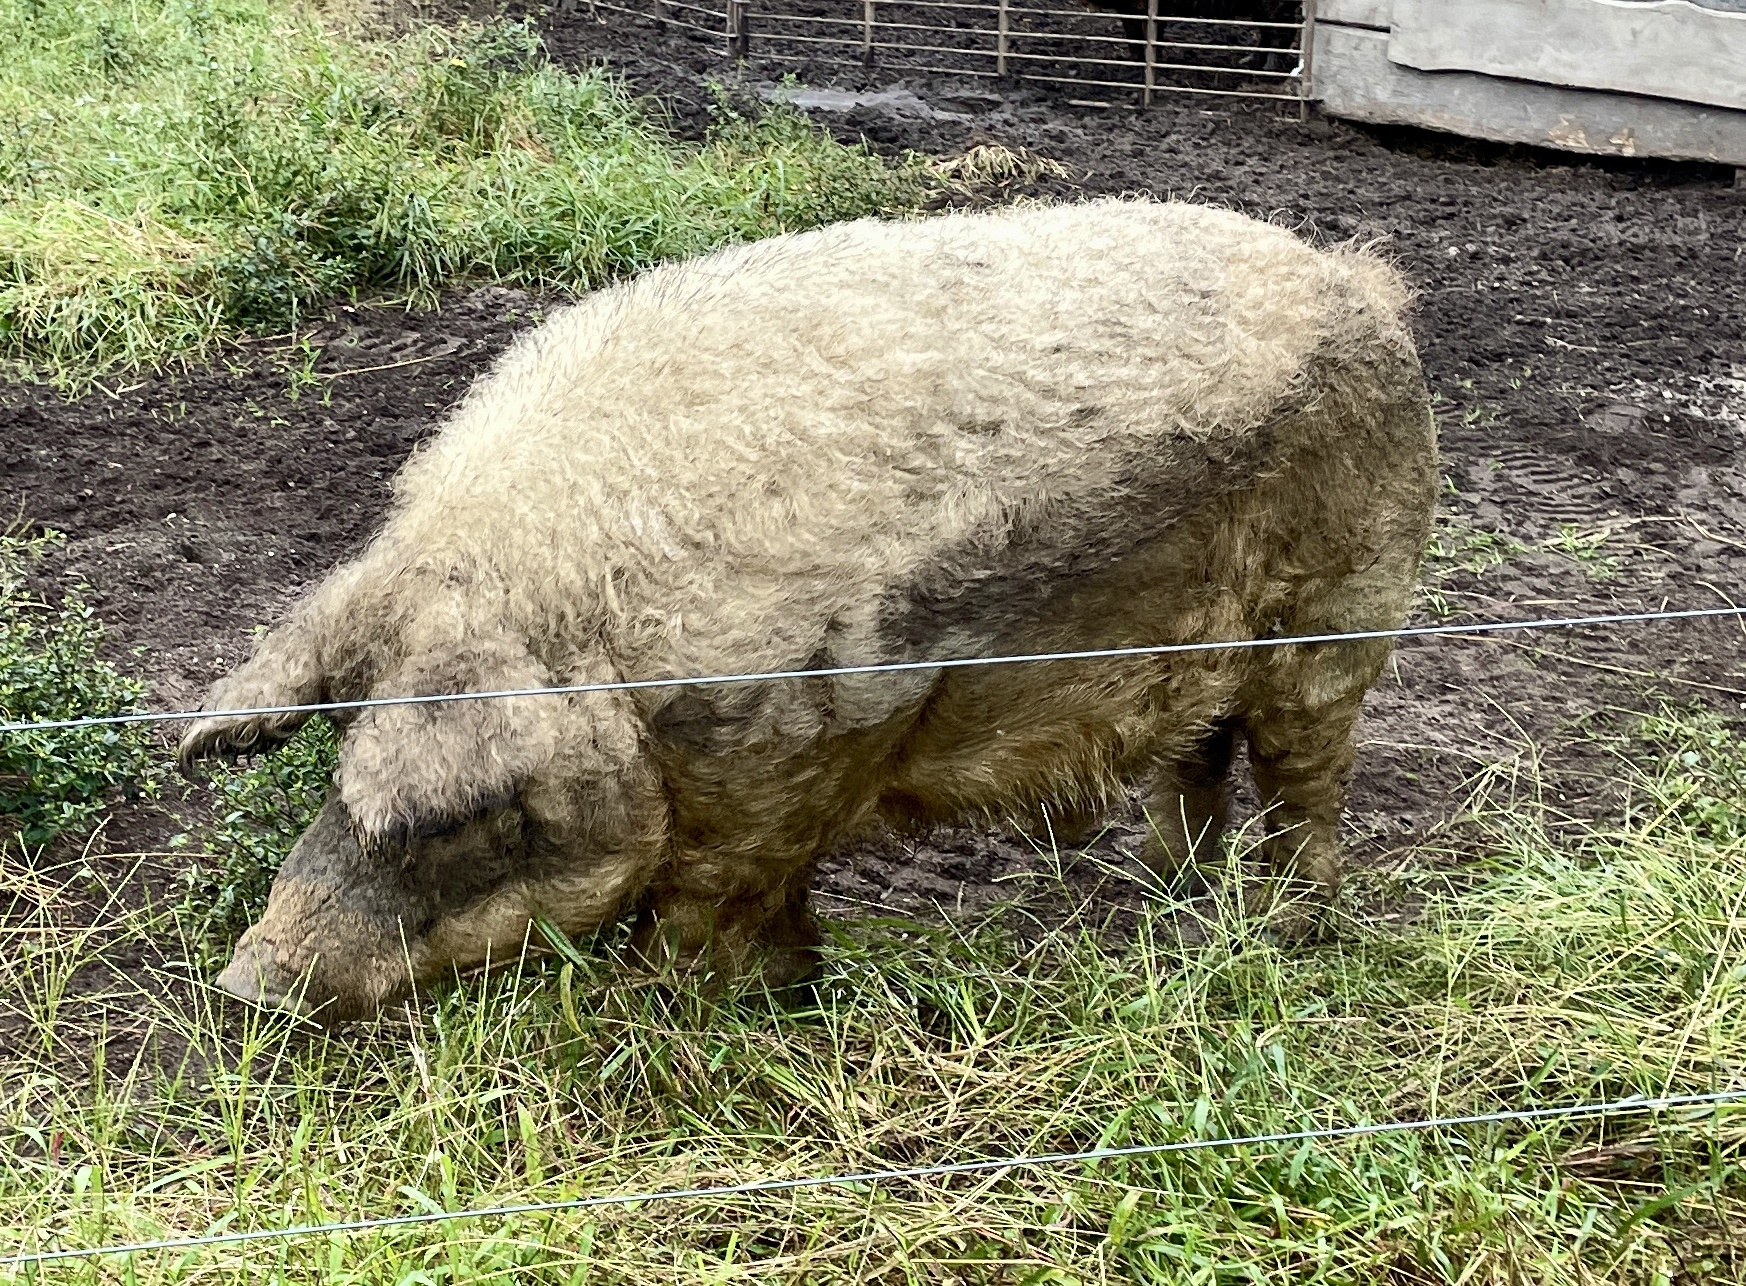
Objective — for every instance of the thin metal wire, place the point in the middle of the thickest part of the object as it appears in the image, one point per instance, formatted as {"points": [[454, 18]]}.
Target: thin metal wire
{"points": [[1614, 1108], [884, 667], [670, 21]]}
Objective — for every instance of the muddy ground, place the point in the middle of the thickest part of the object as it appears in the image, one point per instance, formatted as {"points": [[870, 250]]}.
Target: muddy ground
{"points": [[1583, 325]]}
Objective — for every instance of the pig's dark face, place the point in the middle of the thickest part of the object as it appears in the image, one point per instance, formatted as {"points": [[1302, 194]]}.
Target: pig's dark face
{"points": [[348, 930], [450, 828]]}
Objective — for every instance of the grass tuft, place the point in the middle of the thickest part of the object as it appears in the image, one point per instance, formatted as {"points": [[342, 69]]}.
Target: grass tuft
{"points": [[179, 170]]}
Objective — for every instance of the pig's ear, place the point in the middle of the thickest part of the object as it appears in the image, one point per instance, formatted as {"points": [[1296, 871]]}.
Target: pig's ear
{"points": [[418, 769], [285, 671]]}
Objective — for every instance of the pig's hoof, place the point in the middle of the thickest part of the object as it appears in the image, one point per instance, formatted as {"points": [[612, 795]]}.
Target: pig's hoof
{"points": [[1292, 912], [247, 977]]}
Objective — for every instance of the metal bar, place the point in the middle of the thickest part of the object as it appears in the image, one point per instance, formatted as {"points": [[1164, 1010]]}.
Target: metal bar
{"points": [[1151, 52], [806, 60], [1115, 40], [841, 42], [1169, 17], [1166, 89], [893, 46], [671, 6], [678, 25], [1004, 27], [886, 23], [1245, 72], [1306, 59]]}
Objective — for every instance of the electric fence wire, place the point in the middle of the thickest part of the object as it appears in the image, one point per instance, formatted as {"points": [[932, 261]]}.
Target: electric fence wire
{"points": [[1579, 1111], [883, 667], [757, 1187]]}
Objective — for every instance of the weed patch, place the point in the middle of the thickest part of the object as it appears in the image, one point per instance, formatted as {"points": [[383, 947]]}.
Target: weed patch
{"points": [[55, 780], [260, 811]]}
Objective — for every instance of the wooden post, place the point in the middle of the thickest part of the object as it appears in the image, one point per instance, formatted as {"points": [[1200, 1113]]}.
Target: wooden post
{"points": [[1306, 60], [867, 17], [1151, 52], [661, 15], [739, 30], [1003, 29]]}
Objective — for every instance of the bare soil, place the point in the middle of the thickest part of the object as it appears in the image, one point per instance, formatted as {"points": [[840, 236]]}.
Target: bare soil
{"points": [[1583, 325]]}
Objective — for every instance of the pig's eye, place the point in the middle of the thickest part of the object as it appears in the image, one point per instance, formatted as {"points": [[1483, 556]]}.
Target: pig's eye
{"points": [[440, 828]]}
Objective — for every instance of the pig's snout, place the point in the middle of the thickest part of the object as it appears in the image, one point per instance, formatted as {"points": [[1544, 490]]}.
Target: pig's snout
{"points": [[333, 969], [339, 938], [252, 976]]}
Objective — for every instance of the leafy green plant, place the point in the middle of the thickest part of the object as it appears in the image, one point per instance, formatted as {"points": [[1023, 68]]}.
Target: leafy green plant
{"points": [[177, 170], [1586, 549], [1700, 766], [1455, 548], [261, 809], [50, 669]]}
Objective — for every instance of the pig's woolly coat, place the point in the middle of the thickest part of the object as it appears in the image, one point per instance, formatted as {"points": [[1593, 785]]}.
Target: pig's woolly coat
{"points": [[1076, 427]]}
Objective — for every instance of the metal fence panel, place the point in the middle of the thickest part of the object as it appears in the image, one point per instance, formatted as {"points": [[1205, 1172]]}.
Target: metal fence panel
{"points": [[1139, 48]]}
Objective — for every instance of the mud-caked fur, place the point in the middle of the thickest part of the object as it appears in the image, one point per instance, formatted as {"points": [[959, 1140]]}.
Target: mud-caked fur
{"points": [[1079, 427]]}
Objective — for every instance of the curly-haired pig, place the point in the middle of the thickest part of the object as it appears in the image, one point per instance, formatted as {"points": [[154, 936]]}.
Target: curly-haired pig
{"points": [[1031, 430]]}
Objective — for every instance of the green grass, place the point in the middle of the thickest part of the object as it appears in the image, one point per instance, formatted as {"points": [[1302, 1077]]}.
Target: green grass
{"points": [[1568, 965], [178, 170]]}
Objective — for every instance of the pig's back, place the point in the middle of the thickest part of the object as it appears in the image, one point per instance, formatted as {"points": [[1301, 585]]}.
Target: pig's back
{"points": [[735, 461]]}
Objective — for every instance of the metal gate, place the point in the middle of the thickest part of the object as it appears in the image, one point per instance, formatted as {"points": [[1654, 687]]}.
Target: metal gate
{"points": [[1229, 48]]}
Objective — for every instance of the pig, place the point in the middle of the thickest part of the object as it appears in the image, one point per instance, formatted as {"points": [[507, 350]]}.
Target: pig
{"points": [[1118, 423]]}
